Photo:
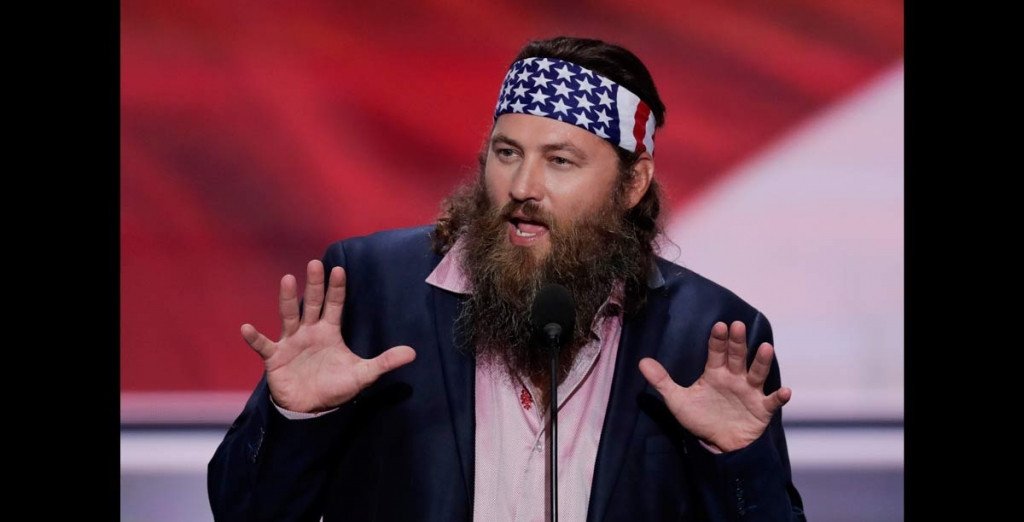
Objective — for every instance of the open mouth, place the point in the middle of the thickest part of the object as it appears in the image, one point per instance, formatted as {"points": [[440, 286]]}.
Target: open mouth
{"points": [[525, 228], [524, 232]]}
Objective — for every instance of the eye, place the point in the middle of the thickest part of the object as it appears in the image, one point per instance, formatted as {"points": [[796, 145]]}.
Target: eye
{"points": [[505, 153], [561, 162]]}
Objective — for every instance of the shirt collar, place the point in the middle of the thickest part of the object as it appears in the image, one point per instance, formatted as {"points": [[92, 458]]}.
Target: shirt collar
{"points": [[448, 274]]}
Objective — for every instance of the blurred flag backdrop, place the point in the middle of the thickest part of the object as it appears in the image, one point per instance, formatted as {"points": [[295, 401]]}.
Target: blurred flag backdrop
{"points": [[253, 134]]}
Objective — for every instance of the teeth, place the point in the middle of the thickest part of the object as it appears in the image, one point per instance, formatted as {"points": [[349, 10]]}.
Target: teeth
{"points": [[520, 233]]}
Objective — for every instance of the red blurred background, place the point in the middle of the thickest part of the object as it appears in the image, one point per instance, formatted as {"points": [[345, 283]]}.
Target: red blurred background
{"points": [[253, 134]]}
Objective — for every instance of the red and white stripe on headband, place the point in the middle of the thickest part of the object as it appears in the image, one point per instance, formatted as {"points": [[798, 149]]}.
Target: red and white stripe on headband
{"points": [[576, 95], [636, 123]]}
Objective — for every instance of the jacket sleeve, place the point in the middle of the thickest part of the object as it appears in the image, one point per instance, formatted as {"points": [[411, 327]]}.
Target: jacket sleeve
{"points": [[753, 483], [271, 468]]}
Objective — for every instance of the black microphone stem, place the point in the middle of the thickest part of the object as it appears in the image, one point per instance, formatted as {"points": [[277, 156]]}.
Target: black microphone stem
{"points": [[553, 447], [553, 315]]}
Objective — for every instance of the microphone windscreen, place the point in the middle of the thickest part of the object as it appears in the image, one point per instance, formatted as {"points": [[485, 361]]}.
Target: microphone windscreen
{"points": [[554, 305]]}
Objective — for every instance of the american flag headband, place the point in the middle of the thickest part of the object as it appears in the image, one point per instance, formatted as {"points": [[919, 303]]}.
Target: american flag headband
{"points": [[573, 94]]}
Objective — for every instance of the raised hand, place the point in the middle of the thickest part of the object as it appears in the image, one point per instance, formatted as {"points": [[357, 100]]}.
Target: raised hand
{"points": [[310, 369], [726, 407]]}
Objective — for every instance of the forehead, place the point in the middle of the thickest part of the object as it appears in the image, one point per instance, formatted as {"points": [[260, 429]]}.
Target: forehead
{"points": [[539, 131]]}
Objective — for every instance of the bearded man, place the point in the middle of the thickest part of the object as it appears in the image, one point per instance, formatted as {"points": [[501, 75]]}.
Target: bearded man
{"points": [[406, 383]]}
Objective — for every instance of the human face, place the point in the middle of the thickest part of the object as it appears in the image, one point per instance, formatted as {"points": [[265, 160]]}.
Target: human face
{"points": [[568, 172]]}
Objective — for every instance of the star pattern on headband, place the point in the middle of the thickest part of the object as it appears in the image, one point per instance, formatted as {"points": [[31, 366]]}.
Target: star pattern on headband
{"points": [[562, 89], [539, 97], [540, 80], [561, 107], [572, 94], [586, 85], [533, 86]]}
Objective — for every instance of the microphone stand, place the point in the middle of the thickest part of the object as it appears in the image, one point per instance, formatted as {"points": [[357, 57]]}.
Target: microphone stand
{"points": [[554, 333]]}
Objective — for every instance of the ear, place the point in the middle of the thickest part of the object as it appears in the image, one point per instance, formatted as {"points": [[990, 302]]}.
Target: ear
{"points": [[643, 173]]}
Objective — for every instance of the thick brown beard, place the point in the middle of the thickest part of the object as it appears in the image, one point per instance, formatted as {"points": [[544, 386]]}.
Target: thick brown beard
{"points": [[587, 256]]}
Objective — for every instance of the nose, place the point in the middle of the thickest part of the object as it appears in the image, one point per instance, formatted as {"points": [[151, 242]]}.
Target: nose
{"points": [[528, 181]]}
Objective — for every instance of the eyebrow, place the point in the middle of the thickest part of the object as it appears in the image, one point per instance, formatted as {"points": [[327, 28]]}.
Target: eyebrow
{"points": [[550, 147]]}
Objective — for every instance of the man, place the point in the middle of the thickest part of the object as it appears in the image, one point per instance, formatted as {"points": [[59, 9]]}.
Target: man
{"points": [[406, 384]]}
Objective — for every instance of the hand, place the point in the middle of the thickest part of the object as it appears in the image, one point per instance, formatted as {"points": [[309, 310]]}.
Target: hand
{"points": [[311, 369], [726, 407]]}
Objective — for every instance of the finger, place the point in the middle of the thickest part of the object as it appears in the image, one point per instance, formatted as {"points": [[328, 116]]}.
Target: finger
{"points": [[762, 363], [370, 370], [313, 299], [258, 342], [655, 374], [717, 345], [335, 300], [737, 347], [778, 399], [289, 305]]}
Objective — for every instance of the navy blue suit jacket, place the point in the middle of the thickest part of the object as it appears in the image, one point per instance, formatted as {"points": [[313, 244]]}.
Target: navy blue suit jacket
{"points": [[403, 449]]}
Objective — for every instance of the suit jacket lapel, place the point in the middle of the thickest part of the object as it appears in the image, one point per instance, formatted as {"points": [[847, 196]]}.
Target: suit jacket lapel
{"points": [[641, 337], [459, 381]]}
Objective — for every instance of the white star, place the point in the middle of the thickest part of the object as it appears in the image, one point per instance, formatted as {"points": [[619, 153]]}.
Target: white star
{"points": [[561, 89], [504, 104], [583, 102], [583, 121], [605, 82], [605, 100], [599, 132], [602, 116], [540, 80], [544, 64], [523, 76], [537, 112], [520, 91], [560, 107], [518, 106], [539, 97], [585, 85], [564, 73]]}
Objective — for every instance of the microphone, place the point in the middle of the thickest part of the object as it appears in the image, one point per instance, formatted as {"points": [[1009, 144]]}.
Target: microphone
{"points": [[553, 317]]}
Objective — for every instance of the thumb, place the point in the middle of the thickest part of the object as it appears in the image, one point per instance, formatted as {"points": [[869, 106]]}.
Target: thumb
{"points": [[257, 341], [777, 399], [656, 374], [372, 369]]}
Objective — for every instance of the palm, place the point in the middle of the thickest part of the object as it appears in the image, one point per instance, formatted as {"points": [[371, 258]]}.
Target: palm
{"points": [[310, 368], [726, 407]]}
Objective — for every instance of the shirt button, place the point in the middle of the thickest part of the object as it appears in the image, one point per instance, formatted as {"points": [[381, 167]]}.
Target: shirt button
{"points": [[538, 447]]}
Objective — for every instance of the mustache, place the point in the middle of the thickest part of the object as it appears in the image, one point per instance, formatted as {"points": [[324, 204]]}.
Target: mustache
{"points": [[528, 210]]}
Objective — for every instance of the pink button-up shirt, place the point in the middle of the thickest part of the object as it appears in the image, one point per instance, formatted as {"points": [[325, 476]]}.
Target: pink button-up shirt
{"points": [[511, 430]]}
